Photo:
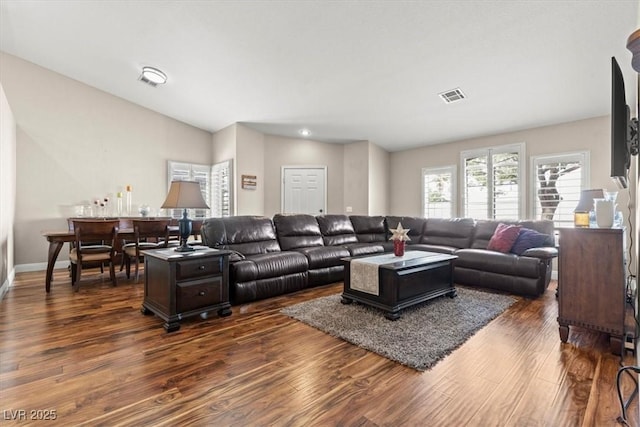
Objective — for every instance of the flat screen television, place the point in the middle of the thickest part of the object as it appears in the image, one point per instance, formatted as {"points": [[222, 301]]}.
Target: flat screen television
{"points": [[620, 128]]}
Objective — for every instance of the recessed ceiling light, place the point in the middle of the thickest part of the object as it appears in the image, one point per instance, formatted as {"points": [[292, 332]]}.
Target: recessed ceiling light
{"points": [[153, 76], [304, 132]]}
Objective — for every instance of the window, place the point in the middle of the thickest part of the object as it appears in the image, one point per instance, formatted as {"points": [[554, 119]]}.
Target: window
{"points": [[191, 172], [221, 179], [215, 184], [558, 181], [492, 182], [438, 192]]}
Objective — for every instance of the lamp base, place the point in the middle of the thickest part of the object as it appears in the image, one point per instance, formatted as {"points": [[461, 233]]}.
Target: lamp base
{"points": [[184, 225]]}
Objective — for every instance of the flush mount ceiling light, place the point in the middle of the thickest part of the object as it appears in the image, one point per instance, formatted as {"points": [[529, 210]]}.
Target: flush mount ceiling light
{"points": [[304, 132], [153, 76], [452, 95]]}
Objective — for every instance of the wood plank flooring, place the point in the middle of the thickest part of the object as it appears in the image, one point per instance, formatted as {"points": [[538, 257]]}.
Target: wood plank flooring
{"points": [[96, 360]]}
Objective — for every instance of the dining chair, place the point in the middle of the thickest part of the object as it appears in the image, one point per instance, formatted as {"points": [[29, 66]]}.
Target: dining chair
{"points": [[95, 243], [148, 234]]}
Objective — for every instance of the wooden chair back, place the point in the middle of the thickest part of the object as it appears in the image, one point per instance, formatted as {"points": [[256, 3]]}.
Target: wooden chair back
{"points": [[103, 231], [148, 229]]}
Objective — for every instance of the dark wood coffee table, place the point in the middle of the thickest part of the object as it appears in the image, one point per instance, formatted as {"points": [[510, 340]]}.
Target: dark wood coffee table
{"points": [[404, 281]]}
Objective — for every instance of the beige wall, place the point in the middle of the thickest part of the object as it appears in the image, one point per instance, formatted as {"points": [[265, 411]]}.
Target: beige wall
{"points": [[356, 178], [75, 143], [250, 161], [379, 180], [7, 191], [591, 135], [366, 179], [282, 151]]}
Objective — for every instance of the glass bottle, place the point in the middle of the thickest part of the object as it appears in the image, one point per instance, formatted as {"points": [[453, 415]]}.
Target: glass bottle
{"points": [[119, 203], [129, 213]]}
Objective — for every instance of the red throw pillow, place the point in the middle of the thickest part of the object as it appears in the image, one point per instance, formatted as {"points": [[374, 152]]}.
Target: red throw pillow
{"points": [[504, 237]]}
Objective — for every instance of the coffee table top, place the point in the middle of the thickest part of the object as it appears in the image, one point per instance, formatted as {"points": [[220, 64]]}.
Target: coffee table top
{"points": [[409, 259]]}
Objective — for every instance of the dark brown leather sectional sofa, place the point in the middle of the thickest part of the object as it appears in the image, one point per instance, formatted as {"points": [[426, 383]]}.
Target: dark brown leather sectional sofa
{"points": [[293, 252]]}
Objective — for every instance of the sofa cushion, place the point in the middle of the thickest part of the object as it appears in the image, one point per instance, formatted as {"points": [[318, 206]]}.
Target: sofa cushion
{"points": [[263, 266], [297, 231], [528, 239], [452, 232], [336, 230], [369, 228], [498, 262], [357, 249], [414, 224], [484, 230], [441, 249], [324, 256], [249, 235], [504, 237]]}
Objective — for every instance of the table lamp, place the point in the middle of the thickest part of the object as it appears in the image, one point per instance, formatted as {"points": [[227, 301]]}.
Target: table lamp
{"points": [[184, 195]]}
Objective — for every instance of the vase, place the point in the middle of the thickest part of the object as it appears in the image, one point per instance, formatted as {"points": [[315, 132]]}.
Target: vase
{"points": [[398, 247], [604, 213]]}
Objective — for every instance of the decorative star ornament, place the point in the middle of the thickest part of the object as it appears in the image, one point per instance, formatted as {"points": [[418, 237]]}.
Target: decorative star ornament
{"points": [[400, 233]]}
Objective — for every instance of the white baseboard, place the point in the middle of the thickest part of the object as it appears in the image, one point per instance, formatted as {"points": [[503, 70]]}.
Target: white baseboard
{"points": [[7, 283], [39, 266]]}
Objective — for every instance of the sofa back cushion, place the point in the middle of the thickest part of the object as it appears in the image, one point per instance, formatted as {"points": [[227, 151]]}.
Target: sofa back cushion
{"points": [[486, 228], [414, 224], [369, 228], [297, 231], [336, 230], [453, 232], [249, 235]]}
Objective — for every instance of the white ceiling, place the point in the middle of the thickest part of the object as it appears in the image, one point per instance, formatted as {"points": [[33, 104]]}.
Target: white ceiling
{"points": [[346, 70]]}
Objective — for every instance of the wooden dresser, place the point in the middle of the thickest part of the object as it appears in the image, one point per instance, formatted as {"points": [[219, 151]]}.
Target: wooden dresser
{"points": [[591, 283]]}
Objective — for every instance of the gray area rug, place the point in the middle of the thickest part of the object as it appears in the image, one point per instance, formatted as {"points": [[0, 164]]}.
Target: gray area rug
{"points": [[423, 335]]}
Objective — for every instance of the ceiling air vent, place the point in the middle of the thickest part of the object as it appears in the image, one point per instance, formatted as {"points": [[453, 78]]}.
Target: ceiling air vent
{"points": [[452, 95]]}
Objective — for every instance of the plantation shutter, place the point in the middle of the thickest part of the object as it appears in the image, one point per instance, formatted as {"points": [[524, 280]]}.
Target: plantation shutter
{"points": [[559, 181], [178, 171], [492, 182], [438, 192], [221, 189]]}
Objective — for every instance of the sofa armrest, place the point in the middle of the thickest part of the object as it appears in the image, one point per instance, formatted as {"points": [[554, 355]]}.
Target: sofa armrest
{"points": [[235, 256], [546, 252]]}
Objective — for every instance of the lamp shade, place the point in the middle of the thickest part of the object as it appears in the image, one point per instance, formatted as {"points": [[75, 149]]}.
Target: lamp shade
{"points": [[184, 194], [586, 199]]}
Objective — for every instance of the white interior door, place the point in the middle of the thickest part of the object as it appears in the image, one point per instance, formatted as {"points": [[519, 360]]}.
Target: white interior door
{"points": [[304, 190]]}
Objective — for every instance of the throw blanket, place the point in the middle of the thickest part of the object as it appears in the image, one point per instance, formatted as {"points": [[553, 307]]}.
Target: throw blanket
{"points": [[364, 271]]}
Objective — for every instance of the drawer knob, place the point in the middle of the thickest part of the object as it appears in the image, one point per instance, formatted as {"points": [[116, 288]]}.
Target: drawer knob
{"points": [[201, 267], [201, 293]]}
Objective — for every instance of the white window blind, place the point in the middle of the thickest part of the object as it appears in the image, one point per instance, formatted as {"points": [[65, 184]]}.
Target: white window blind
{"points": [[438, 192], [221, 182], [557, 182], [178, 171], [492, 182]]}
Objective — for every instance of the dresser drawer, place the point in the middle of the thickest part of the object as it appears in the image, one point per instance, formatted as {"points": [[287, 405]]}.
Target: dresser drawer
{"points": [[198, 268], [198, 293]]}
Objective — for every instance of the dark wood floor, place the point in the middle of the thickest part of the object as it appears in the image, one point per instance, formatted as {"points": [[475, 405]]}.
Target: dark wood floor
{"points": [[96, 360]]}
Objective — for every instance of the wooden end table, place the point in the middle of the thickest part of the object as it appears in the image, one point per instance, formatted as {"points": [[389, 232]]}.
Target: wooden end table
{"points": [[184, 284]]}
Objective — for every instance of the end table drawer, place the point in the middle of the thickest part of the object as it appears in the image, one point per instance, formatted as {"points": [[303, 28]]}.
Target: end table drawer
{"points": [[197, 294], [197, 268]]}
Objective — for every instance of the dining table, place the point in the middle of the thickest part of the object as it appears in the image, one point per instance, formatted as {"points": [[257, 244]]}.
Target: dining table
{"points": [[57, 239]]}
